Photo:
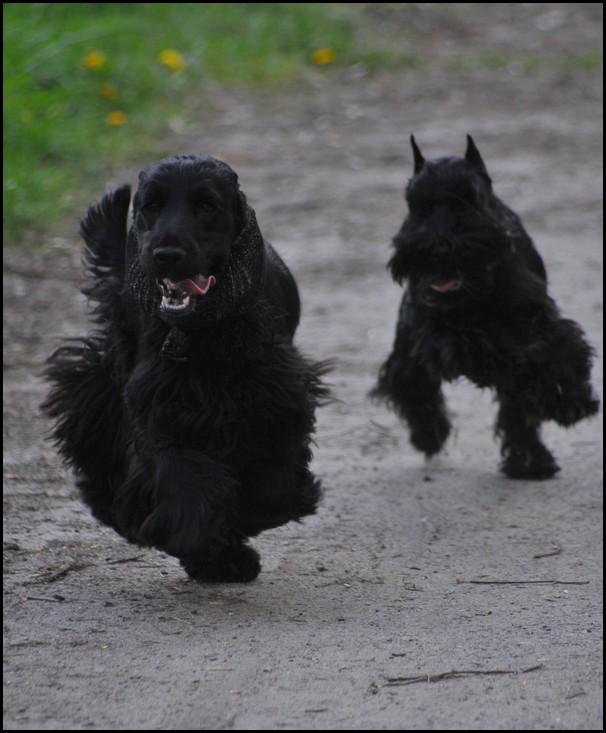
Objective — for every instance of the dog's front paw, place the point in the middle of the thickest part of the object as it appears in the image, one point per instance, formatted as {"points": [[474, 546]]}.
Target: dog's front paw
{"points": [[429, 437], [235, 564], [575, 409], [533, 463]]}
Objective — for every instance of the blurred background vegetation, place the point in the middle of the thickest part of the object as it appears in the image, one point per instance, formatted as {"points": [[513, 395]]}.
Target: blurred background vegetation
{"points": [[92, 86]]}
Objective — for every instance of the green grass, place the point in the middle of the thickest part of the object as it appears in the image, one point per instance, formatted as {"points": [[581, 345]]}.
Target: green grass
{"points": [[59, 146], [56, 132]]}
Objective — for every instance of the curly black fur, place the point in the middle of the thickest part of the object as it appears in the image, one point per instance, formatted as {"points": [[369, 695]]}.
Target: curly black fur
{"points": [[477, 306], [188, 433]]}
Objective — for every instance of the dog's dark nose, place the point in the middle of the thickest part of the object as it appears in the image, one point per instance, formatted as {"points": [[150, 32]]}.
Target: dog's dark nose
{"points": [[168, 256]]}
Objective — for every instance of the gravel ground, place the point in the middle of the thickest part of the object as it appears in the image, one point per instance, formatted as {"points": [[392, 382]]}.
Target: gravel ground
{"points": [[103, 635]]}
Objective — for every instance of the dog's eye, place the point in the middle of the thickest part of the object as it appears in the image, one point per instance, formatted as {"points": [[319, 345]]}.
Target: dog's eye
{"points": [[152, 206], [205, 207]]}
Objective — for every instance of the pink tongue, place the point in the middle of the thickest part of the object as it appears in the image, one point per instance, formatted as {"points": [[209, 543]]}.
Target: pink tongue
{"points": [[444, 287], [193, 288]]}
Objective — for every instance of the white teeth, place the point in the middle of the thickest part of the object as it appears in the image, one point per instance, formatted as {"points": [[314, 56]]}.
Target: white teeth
{"points": [[169, 306], [174, 300]]}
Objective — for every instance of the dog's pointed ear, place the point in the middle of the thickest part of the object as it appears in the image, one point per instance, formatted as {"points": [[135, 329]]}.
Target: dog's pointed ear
{"points": [[241, 205], [473, 157], [418, 155]]}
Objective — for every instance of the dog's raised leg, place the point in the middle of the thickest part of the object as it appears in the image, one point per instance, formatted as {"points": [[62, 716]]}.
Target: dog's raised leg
{"points": [[416, 396], [524, 455], [193, 517], [234, 563]]}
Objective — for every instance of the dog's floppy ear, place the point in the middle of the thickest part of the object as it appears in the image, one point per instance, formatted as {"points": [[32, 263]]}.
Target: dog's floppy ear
{"points": [[418, 155], [473, 157]]}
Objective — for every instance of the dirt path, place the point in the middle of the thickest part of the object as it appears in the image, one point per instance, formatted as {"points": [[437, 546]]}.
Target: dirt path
{"points": [[103, 635]]}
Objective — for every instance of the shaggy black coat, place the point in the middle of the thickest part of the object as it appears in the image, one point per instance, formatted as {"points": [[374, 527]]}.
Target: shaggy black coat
{"points": [[187, 413], [477, 305]]}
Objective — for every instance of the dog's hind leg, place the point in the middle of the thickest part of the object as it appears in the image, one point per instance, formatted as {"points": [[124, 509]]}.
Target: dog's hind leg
{"points": [[86, 403], [86, 387], [416, 396], [553, 384], [524, 455], [564, 391]]}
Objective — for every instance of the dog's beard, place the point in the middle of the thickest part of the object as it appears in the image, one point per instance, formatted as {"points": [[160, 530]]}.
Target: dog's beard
{"points": [[435, 290], [455, 287], [450, 273]]}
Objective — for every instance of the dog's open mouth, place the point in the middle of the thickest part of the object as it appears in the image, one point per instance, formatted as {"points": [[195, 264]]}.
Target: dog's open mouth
{"points": [[177, 296], [446, 286]]}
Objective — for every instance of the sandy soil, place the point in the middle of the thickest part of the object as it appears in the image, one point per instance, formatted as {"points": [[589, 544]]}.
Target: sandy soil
{"points": [[103, 635]]}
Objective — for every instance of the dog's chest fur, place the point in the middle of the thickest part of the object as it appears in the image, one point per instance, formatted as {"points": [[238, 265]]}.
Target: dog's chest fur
{"points": [[228, 390], [484, 349]]}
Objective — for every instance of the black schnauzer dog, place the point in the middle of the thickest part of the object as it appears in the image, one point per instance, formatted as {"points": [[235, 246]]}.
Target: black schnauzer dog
{"points": [[477, 306], [188, 413]]}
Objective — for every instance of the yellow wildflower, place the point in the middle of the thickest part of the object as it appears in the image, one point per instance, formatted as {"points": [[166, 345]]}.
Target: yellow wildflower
{"points": [[94, 60], [172, 59], [117, 118], [323, 56], [108, 91]]}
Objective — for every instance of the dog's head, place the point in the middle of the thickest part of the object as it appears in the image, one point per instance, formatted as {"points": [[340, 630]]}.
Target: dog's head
{"points": [[452, 242], [187, 213]]}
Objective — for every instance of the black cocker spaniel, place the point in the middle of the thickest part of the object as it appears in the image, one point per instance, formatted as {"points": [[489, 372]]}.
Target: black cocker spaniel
{"points": [[187, 413]]}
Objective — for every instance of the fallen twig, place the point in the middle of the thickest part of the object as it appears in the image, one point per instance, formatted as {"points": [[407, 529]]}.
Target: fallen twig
{"points": [[61, 573], [556, 551], [580, 693], [351, 581], [454, 674], [523, 582], [124, 559]]}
